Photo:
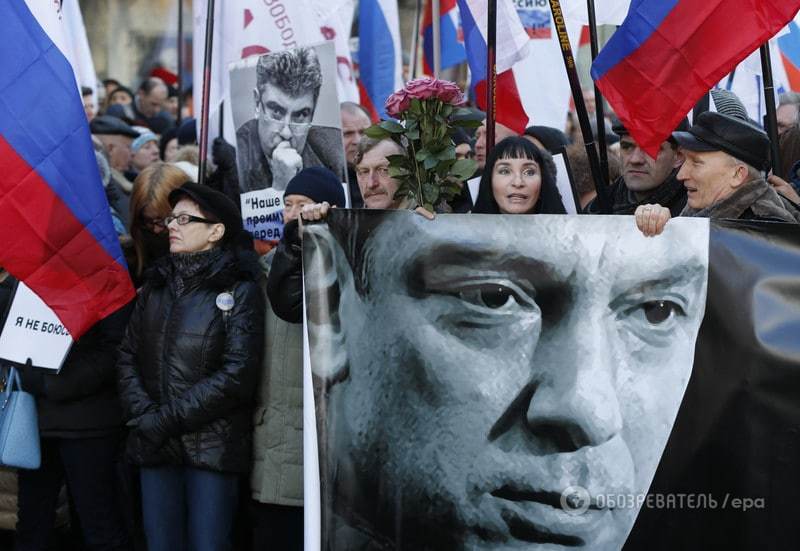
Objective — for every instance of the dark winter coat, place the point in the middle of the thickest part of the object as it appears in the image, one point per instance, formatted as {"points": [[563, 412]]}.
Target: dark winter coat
{"points": [[670, 194], [285, 282], [187, 373], [755, 200]]}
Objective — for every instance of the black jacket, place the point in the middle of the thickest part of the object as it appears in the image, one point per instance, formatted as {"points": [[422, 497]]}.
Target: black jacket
{"points": [[670, 194], [187, 373], [285, 281], [80, 401]]}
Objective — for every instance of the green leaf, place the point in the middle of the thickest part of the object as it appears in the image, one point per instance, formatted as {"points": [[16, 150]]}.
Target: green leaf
{"points": [[464, 123], [399, 160], [376, 132], [464, 168], [395, 171], [430, 162], [447, 153], [415, 106], [423, 154], [392, 127], [413, 134], [463, 112]]}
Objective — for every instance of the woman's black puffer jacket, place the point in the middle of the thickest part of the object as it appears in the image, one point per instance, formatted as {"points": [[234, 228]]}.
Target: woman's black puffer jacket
{"points": [[187, 373]]}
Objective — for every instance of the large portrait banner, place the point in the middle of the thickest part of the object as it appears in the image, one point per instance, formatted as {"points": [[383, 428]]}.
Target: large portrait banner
{"points": [[550, 382]]}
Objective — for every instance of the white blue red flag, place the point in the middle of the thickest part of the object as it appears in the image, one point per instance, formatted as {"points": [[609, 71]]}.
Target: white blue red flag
{"points": [[512, 46], [379, 53], [56, 233], [668, 53], [450, 36]]}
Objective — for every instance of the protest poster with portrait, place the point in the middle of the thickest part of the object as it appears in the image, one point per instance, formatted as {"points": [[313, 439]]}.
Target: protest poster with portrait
{"points": [[286, 113], [539, 382]]}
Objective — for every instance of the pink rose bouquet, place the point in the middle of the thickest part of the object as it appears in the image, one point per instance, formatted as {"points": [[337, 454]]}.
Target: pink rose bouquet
{"points": [[429, 174]]}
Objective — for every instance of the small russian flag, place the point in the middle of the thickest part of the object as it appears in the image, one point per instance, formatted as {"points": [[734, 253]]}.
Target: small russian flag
{"points": [[379, 54], [452, 40]]}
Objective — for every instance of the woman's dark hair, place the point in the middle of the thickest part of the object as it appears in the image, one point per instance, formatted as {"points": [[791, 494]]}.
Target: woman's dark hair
{"points": [[516, 147]]}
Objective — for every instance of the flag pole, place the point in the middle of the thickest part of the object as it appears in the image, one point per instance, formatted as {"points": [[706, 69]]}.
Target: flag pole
{"points": [[603, 191], [599, 105], [769, 100], [491, 76], [206, 92], [412, 73], [437, 38], [180, 63]]}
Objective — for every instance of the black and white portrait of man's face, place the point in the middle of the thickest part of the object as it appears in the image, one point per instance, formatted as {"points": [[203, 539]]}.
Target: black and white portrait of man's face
{"points": [[500, 376], [283, 118]]}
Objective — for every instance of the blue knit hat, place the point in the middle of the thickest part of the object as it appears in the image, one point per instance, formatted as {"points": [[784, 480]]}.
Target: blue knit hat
{"points": [[319, 184]]}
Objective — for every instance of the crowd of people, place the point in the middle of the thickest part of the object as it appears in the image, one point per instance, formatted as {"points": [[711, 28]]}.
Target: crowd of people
{"points": [[177, 421]]}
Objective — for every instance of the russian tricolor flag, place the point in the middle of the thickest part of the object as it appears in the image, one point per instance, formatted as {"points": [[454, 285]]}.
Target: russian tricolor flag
{"points": [[512, 45], [452, 45], [56, 233], [668, 53], [379, 55]]}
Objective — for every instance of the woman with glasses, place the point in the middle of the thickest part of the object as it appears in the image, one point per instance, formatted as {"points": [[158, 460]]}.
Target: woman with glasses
{"points": [[148, 207], [187, 371]]}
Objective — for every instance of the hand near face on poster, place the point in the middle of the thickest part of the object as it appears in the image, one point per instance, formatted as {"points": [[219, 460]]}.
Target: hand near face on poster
{"points": [[285, 163], [651, 219]]}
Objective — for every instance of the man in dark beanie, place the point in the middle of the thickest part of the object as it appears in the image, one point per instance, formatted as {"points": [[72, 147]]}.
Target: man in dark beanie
{"points": [[645, 180], [276, 482], [726, 158]]}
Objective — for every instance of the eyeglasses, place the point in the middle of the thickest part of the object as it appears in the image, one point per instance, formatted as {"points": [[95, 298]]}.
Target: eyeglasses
{"points": [[272, 111], [184, 219]]}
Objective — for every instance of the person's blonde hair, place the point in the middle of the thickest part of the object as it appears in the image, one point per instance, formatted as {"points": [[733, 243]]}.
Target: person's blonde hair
{"points": [[151, 189]]}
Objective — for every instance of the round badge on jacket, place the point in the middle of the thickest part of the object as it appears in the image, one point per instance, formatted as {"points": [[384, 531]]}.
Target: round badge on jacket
{"points": [[225, 301]]}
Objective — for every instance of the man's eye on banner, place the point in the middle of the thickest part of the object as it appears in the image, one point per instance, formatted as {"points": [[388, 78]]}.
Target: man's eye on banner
{"points": [[498, 377], [550, 382]]}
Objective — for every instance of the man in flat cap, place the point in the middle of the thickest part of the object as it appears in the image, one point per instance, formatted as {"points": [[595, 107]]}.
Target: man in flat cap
{"points": [[646, 180], [723, 174], [116, 136]]}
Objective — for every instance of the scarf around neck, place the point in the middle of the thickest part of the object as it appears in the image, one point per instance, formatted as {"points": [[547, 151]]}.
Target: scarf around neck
{"points": [[187, 266]]}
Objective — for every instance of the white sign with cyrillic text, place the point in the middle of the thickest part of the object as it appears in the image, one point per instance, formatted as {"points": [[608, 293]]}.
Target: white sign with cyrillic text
{"points": [[33, 331]]}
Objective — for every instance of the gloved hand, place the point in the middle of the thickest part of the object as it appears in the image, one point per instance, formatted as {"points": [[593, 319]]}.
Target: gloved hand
{"points": [[150, 431], [223, 154]]}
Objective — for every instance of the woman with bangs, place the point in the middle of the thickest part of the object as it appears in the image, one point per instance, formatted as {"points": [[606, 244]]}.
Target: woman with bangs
{"points": [[518, 180]]}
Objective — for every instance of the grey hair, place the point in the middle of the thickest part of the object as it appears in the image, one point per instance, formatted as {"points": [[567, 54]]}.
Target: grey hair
{"points": [[353, 108], [294, 72]]}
